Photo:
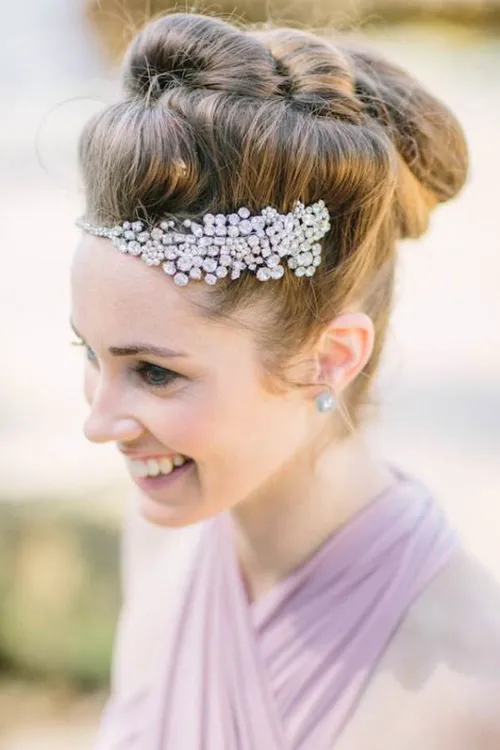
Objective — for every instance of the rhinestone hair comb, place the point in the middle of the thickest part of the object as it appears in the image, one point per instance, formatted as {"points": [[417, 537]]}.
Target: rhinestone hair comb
{"points": [[223, 245]]}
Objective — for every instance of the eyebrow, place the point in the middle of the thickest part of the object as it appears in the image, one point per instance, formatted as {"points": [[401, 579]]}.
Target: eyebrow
{"points": [[135, 349]]}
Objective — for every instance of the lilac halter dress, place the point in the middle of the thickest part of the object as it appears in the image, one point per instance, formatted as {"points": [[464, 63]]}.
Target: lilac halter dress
{"points": [[286, 672]]}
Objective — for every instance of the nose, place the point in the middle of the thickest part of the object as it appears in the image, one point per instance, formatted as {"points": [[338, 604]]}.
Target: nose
{"points": [[107, 421]]}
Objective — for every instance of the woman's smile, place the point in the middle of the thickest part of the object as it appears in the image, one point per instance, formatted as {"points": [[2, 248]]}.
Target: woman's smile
{"points": [[151, 477]]}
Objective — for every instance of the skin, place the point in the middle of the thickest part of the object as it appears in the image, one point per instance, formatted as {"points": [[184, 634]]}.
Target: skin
{"points": [[272, 460], [268, 457], [438, 683]]}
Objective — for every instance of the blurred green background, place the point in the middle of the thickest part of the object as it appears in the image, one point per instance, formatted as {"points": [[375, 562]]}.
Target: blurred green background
{"points": [[61, 499]]}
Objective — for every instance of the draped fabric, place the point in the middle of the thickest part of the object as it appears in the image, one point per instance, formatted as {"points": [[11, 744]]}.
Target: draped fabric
{"points": [[287, 672]]}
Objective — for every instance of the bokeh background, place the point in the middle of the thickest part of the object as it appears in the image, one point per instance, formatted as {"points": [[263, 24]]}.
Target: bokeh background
{"points": [[61, 499]]}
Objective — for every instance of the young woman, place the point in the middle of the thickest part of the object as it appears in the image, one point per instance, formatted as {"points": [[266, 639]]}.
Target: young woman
{"points": [[232, 289]]}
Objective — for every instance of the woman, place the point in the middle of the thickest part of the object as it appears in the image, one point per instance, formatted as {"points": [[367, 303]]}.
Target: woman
{"points": [[309, 594]]}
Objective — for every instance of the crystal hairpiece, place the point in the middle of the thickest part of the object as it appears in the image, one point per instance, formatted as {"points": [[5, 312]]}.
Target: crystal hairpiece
{"points": [[225, 245]]}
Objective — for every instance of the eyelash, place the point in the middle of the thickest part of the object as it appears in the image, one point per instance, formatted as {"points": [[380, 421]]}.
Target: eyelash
{"points": [[141, 369]]}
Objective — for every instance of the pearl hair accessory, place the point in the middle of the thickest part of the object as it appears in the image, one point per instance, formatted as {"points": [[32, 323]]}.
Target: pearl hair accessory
{"points": [[225, 245]]}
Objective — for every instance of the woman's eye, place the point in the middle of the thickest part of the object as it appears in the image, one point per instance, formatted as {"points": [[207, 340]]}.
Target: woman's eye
{"points": [[152, 375], [155, 375], [90, 354]]}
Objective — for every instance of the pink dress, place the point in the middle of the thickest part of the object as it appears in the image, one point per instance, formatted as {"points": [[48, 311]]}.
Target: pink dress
{"points": [[287, 672]]}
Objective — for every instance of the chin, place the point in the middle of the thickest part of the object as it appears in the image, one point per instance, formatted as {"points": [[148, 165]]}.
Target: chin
{"points": [[170, 515]]}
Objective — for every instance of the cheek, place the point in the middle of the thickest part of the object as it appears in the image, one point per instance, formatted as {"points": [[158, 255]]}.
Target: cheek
{"points": [[210, 424], [184, 424], [271, 432]]}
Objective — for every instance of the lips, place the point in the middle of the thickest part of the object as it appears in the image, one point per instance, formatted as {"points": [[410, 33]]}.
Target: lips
{"points": [[156, 486]]}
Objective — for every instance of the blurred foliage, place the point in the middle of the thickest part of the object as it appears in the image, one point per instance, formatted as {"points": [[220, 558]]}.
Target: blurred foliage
{"points": [[59, 591], [116, 21]]}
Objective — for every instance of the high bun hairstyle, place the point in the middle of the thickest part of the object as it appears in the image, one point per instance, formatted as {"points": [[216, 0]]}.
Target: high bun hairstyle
{"points": [[214, 117]]}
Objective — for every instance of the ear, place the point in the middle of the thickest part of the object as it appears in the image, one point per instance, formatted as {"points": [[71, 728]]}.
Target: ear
{"points": [[343, 349]]}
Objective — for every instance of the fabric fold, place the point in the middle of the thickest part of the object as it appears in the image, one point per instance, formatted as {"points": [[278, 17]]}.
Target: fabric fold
{"points": [[288, 671]]}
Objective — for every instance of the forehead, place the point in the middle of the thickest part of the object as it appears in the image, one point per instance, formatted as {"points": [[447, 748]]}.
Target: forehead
{"points": [[115, 293]]}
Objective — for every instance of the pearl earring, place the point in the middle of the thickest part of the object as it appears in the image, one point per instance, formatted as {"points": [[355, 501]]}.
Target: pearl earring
{"points": [[325, 401]]}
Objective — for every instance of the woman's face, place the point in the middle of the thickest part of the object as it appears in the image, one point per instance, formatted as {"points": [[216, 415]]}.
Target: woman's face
{"points": [[163, 382]]}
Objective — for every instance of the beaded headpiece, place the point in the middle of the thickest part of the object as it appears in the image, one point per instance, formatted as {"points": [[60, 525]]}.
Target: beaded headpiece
{"points": [[223, 245]]}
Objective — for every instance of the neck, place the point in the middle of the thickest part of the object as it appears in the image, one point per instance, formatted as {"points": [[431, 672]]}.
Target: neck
{"points": [[284, 526]]}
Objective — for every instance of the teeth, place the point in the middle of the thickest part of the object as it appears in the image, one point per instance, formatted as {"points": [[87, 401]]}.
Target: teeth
{"points": [[153, 467], [138, 468], [166, 465]]}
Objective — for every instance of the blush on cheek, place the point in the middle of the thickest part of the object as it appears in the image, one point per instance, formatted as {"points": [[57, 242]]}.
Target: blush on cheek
{"points": [[189, 431]]}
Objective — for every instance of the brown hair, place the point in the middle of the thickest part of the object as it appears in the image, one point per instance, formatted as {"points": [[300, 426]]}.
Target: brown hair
{"points": [[215, 117]]}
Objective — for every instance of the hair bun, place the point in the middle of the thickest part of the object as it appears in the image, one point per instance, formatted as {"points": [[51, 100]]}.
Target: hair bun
{"points": [[198, 52], [427, 135], [314, 74]]}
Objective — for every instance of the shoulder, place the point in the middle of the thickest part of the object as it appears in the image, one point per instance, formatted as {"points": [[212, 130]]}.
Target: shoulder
{"points": [[448, 650]]}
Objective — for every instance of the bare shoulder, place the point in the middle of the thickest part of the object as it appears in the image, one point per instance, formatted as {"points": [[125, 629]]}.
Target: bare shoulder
{"points": [[456, 621], [447, 651]]}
